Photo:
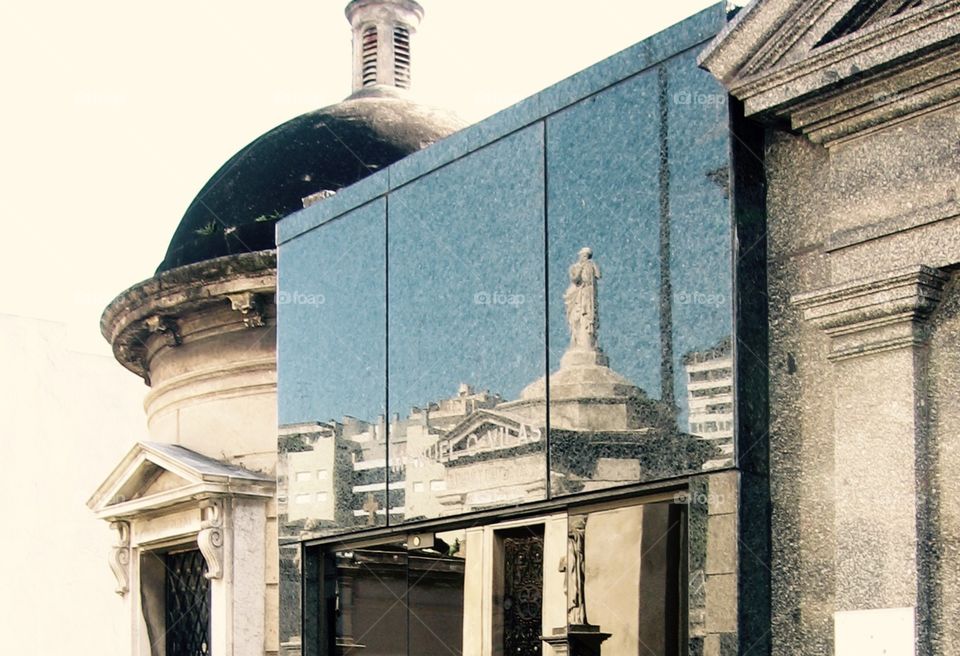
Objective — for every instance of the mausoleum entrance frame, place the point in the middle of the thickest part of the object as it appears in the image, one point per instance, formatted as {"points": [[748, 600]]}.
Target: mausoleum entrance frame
{"points": [[552, 517], [589, 502]]}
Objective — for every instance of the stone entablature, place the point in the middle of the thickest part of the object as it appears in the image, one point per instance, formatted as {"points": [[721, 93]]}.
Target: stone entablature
{"points": [[874, 314], [189, 303], [156, 478], [802, 62]]}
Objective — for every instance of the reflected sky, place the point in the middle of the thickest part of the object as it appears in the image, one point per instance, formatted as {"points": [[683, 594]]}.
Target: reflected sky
{"points": [[427, 313]]}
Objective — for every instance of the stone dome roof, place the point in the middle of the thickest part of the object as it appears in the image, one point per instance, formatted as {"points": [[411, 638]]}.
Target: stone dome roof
{"points": [[326, 149]]}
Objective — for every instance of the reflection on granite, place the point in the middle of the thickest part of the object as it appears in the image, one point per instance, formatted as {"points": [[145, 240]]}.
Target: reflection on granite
{"points": [[487, 343], [709, 377], [604, 430], [465, 314], [480, 378]]}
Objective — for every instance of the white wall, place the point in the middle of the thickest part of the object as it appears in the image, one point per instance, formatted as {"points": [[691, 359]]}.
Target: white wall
{"points": [[67, 418]]}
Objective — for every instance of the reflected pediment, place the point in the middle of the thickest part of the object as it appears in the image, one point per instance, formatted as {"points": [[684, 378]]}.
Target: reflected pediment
{"points": [[484, 431], [835, 68], [154, 475]]}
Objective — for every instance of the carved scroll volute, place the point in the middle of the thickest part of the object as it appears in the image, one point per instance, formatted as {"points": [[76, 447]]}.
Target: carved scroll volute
{"points": [[120, 557], [210, 537]]}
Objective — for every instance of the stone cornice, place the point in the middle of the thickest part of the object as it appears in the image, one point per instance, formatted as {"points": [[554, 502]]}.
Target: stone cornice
{"points": [[897, 68], [874, 314], [151, 309], [203, 478], [870, 47]]}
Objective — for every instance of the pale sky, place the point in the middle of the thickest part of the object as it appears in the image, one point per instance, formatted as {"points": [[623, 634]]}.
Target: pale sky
{"points": [[116, 112]]}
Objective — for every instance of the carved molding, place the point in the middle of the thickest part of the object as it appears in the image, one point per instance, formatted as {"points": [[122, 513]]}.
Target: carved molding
{"points": [[135, 357], [777, 58], [316, 197], [250, 307], [875, 314], [166, 327], [210, 537], [120, 557], [186, 292]]}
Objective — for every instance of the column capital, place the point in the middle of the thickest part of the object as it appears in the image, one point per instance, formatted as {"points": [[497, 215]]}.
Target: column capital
{"points": [[879, 313]]}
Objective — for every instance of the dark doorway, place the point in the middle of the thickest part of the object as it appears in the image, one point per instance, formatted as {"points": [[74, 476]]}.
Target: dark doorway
{"points": [[187, 604]]}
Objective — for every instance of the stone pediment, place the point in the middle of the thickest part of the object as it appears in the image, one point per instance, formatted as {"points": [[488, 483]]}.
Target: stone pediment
{"points": [[154, 476], [834, 69], [484, 431]]}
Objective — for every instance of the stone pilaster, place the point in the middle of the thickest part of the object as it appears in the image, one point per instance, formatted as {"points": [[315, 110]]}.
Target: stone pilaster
{"points": [[877, 329]]}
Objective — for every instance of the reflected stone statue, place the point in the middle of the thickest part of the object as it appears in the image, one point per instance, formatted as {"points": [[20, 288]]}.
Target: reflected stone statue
{"points": [[578, 637], [576, 571], [581, 304]]}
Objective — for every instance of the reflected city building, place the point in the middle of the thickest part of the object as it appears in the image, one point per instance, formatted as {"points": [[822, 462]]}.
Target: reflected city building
{"points": [[476, 450], [709, 377], [498, 412]]}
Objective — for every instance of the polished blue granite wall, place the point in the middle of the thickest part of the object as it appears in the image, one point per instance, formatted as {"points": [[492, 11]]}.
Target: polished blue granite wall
{"points": [[450, 267]]}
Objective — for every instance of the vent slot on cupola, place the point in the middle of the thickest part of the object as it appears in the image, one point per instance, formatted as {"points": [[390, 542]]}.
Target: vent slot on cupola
{"points": [[401, 53], [370, 56], [383, 31]]}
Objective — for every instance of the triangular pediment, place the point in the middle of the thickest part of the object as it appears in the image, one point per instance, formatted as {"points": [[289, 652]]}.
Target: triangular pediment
{"points": [[165, 481], [155, 475], [818, 63], [483, 431], [148, 478]]}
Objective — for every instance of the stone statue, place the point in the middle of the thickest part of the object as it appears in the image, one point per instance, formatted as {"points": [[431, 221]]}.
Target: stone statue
{"points": [[581, 304], [576, 571]]}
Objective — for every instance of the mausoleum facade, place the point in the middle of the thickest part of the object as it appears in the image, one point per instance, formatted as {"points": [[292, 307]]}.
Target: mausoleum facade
{"points": [[660, 360]]}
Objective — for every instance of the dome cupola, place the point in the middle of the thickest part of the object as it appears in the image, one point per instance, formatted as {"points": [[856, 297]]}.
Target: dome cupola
{"points": [[382, 31], [319, 152], [209, 312]]}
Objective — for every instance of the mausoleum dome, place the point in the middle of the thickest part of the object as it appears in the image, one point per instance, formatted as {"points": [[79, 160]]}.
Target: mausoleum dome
{"points": [[323, 150], [186, 329], [320, 151]]}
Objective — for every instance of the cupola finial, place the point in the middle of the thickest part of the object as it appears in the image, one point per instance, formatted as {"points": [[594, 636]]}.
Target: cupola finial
{"points": [[382, 30]]}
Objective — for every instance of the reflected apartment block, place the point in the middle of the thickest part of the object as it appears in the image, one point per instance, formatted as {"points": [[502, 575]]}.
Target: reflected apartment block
{"points": [[472, 451], [321, 456], [709, 377]]}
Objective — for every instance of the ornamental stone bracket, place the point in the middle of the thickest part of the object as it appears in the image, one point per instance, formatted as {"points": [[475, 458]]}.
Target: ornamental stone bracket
{"points": [[210, 537], [880, 313], [178, 300], [250, 307], [166, 327], [163, 493], [120, 557]]}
